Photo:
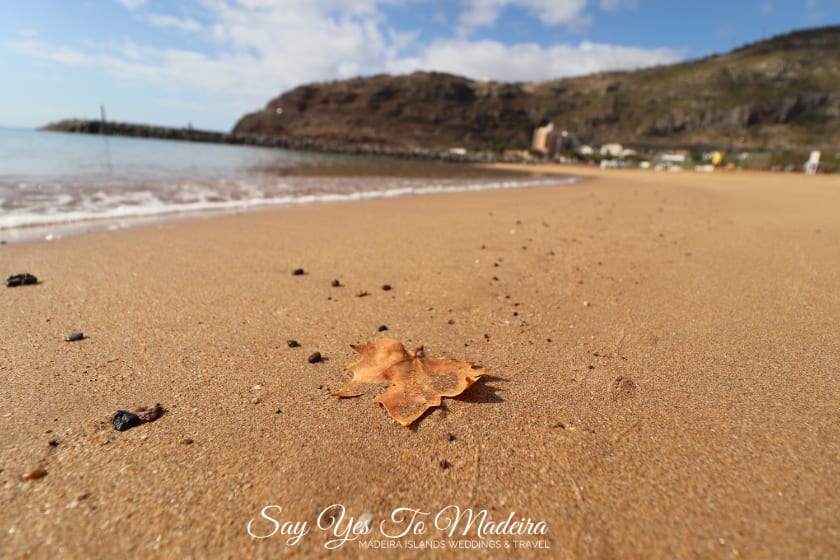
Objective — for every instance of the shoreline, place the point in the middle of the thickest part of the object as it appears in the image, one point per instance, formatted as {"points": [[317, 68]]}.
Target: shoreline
{"points": [[662, 374], [59, 230]]}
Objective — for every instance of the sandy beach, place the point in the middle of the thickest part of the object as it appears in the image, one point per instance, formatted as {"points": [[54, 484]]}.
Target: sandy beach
{"points": [[664, 377]]}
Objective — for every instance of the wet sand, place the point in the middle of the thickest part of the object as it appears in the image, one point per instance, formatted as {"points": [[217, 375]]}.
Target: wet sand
{"points": [[664, 371]]}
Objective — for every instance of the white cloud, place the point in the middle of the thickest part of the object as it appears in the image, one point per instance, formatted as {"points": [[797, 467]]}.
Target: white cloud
{"points": [[256, 49], [173, 22], [615, 5], [484, 13], [43, 51], [528, 61], [132, 4]]}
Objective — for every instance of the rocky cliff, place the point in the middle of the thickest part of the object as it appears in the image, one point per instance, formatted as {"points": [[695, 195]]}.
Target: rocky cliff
{"points": [[782, 93]]}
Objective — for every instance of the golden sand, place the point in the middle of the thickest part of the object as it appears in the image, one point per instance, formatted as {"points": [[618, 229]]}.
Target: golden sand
{"points": [[663, 349]]}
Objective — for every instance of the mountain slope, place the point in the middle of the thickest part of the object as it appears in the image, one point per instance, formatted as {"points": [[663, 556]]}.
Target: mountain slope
{"points": [[782, 93]]}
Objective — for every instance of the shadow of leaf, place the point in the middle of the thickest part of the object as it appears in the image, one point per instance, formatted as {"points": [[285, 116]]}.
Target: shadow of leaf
{"points": [[482, 392]]}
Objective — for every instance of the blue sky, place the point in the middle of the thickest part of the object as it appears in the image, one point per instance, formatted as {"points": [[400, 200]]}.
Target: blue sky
{"points": [[208, 62]]}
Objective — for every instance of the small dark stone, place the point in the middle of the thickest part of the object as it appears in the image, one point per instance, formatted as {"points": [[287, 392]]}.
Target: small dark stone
{"points": [[444, 464], [336, 284], [53, 443], [73, 337], [590, 367], [386, 287], [382, 328], [188, 441], [450, 322], [298, 272], [293, 343], [278, 411], [124, 420], [450, 437], [315, 358], [548, 340], [23, 279], [486, 336]]}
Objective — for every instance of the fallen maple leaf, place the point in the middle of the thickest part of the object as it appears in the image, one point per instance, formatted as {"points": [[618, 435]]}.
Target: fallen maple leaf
{"points": [[416, 383]]}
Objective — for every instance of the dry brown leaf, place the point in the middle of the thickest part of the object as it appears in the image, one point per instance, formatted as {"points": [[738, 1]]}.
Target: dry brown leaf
{"points": [[416, 383]]}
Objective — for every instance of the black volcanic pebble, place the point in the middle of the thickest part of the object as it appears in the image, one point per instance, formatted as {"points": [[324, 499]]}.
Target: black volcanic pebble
{"points": [[336, 284], [298, 272], [382, 328], [23, 279], [386, 287], [315, 358], [73, 337], [124, 420], [293, 343]]}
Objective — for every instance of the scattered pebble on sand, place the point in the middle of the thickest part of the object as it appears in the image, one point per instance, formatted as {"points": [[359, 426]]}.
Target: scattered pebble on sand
{"points": [[298, 272], [73, 337], [386, 287], [315, 358], [23, 279], [335, 283], [382, 328], [362, 293], [152, 414], [124, 420], [293, 344], [35, 474]]}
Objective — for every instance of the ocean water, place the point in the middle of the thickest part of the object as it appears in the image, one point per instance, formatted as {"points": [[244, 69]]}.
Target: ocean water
{"points": [[54, 184]]}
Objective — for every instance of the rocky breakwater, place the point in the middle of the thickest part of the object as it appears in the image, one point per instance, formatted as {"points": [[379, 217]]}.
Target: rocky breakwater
{"points": [[140, 131], [83, 126]]}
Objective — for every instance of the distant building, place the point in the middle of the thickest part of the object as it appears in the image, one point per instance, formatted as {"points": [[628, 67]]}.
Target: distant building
{"points": [[678, 157], [539, 143], [812, 166], [524, 154], [612, 150]]}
